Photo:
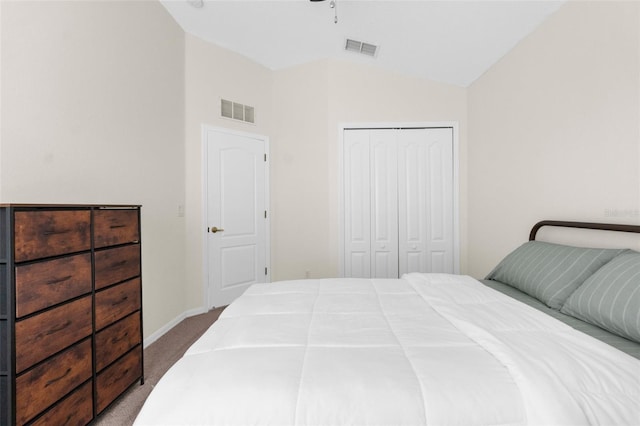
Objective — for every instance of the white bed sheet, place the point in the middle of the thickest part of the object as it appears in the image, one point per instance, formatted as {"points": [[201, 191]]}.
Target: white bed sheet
{"points": [[426, 349]]}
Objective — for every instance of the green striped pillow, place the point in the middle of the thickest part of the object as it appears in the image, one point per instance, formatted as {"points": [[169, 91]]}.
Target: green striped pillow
{"points": [[610, 298], [550, 272]]}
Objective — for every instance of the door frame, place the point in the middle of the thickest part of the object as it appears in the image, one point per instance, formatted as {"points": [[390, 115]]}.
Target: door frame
{"points": [[453, 125], [207, 294]]}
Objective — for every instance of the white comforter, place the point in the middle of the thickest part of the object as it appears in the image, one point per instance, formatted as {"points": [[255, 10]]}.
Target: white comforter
{"points": [[427, 349]]}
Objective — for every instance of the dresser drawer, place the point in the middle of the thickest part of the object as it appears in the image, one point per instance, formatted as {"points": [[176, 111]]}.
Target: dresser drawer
{"points": [[39, 388], [41, 234], [117, 339], [117, 264], [44, 284], [112, 227], [74, 410], [118, 377], [49, 332], [117, 302]]}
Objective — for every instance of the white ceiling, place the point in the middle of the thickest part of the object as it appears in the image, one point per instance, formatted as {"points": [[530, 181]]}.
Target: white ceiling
{"points": [[448, 41]]}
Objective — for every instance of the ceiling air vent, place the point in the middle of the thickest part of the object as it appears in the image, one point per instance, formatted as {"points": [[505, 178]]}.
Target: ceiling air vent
{"points": [[236, 111], [361, 47]]}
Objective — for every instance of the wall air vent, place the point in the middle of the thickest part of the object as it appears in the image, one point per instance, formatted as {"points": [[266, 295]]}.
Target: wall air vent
{"points": [[236, 111], [360, 47]]}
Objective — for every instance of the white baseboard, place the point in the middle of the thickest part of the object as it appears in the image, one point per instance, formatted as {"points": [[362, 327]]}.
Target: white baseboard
{"points": [[168, 326]]}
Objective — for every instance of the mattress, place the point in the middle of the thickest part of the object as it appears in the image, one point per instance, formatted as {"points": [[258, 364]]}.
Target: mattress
{"points": [[630, 347], [426, 349]]}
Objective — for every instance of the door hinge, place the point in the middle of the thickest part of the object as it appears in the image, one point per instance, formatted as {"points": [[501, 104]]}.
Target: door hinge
{"points": [[265, 214], [265, 158], [265, 271]]}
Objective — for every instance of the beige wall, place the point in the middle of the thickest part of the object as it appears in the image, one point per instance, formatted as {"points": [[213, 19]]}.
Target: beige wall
{"points": [[97, 115], [103, 102], [212, 73], [304, 107], [311, 101], [92, 112], [364, 94], [554, 130], [300, 173]]}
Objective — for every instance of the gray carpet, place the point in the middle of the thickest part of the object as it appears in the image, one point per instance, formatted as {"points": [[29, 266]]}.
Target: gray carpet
{"points": [[158, 357]]}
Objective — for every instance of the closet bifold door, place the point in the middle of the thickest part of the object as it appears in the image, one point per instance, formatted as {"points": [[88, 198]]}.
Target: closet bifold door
{"points": [[398, 201], [425, 200], [357, 202]]}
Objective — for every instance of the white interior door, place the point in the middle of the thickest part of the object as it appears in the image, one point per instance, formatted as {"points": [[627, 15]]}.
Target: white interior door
{"points": [[237, 222]]}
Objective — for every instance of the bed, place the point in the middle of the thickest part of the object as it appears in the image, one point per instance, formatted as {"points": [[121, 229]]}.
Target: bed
{"points": [[551, 336]]}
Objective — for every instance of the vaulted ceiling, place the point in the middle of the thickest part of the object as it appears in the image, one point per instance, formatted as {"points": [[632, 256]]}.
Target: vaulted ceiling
{"points": [[448, 41]]}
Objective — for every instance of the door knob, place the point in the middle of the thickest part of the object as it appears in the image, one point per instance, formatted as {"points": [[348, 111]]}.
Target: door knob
{"points": [[216, 229]]}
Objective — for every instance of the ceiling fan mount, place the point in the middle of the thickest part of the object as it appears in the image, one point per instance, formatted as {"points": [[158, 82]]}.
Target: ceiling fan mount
{"points": [[332, 5]]}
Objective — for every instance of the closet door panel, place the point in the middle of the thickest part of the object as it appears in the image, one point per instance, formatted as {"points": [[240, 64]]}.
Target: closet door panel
{"points": [[440, 201], [384, 201], [425, 200], [413, 261], [413, 207], [357, 202], [359, 264]]}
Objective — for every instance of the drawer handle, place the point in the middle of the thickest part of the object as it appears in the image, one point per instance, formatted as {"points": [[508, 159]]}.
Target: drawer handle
{"points": [[56, 231], [59, 328], [124, 299], [119, 338], [59, 280], [52, 381], [124, 374], [117, 226], [117, 264]]}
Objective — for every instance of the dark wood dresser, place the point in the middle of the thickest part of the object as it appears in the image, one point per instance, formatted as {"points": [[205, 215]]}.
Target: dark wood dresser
{"points": [[70, 311]]}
